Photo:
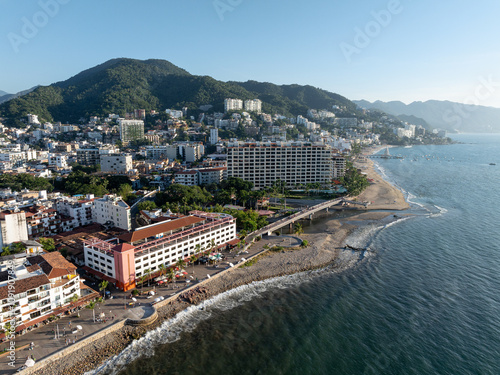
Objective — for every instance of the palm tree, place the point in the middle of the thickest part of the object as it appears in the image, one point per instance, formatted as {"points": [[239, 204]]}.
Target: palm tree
{"points": [[162, 269], [73, 299], [180, 263], [91, 305], [197, 249], [147, 273], [170, 274], [193, 259], [102, 287], [297, 228]]}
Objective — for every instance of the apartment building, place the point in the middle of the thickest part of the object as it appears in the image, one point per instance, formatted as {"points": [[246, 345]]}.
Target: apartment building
{"points": [[79, 211], [58, 161], [115, 163], [136, 253], [233, 104], [188, 178], [92, 156], [112, 210], [254, 105], [42, 221], [161, 152], [13, 227], [293, 162], [131, 130], [43, 286]]}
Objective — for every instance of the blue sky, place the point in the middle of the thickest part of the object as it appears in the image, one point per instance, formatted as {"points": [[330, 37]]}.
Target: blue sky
{"points": [[388, 50]]}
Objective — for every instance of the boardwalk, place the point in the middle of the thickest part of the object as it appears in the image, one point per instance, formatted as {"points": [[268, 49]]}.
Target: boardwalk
{"points": [[308, 212]]}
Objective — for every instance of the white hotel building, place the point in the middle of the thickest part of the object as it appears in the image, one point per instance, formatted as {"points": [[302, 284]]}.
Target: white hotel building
{"points": [[124, 259], [296, 163]]}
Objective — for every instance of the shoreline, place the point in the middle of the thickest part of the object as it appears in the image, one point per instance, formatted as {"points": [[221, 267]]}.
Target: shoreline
{"points": [[326, 241]]}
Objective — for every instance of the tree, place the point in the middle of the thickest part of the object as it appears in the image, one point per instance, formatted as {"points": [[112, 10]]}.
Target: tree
{"points": [[147, 274], [48, 244], [297, 228], [5, 251], [102, 287], [73, 299], [170, 274], [180, 263], [91, 306], [162, 268], [146, 205]]}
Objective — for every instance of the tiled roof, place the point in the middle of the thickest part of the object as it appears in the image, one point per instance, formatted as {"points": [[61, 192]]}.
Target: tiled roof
{"points": [[150, 231], [24, 285], [53, 264]]}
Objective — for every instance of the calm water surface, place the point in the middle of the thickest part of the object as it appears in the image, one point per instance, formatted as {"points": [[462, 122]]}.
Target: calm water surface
{"points": [[426, 303]]}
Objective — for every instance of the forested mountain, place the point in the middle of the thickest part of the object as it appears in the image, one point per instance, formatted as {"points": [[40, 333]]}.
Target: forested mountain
{"points": [[122, 85]]}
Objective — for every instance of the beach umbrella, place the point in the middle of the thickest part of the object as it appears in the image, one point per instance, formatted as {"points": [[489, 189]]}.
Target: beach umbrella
{"points": [[208, 275], [79, 327], [184, 273], [30, 362]]}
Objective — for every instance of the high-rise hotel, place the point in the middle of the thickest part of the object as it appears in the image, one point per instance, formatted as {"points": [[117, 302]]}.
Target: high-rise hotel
{"points": [[296, 163]]}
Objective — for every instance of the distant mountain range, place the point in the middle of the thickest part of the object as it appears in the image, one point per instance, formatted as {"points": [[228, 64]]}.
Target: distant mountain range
{"points": [[122, 85], [453, 117], [6, 96]]}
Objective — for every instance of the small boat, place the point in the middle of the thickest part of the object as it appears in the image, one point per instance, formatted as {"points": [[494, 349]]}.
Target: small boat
{"points": [[492, 164]]}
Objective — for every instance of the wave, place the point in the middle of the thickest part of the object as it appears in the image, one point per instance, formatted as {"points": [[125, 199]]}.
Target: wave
{"points": [[188, 319]]}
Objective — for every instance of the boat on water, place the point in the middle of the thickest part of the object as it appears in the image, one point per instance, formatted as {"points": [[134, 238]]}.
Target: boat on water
{"points": [[492, 163]]}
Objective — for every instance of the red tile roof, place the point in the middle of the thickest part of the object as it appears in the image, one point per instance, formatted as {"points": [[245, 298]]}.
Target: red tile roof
{"points": [[153, 230], [53, 264], [23, 285]]}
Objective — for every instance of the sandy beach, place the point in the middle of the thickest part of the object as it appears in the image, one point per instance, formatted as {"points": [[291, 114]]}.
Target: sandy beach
{"points": [[326, 247]]}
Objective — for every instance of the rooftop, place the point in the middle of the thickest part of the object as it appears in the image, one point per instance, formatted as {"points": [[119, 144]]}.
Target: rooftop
{"points": [[159, 228]]}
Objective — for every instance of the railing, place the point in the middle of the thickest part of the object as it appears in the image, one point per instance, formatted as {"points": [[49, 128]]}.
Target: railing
{"points": [[182, 234], [99, 244]]}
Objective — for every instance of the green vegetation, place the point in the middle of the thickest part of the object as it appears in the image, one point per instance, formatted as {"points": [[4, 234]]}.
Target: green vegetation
{"points": [[305, 243], [13, 248], [47, 243], [146, 205], [24, 181], [353, 180], [121, 85]]}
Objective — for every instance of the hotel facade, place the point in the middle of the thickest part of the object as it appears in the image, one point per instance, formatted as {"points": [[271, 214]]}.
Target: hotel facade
{"points": [[132, 255], [296, 163]]}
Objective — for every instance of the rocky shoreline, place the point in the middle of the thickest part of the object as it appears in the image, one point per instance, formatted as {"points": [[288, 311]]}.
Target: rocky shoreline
{"points": [[326, 249]]}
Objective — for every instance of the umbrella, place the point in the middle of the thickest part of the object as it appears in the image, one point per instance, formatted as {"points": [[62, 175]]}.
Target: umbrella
{"points": [[208, 275], [79, 327], [133, 299], [231, 264], [184, 273], [30, 362]]}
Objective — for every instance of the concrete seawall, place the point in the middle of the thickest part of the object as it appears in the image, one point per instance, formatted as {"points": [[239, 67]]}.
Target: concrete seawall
{"points": [[73, 348]]}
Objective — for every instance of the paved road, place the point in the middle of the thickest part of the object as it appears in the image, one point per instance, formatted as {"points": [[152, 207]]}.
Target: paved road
{"points": [[118, 308]]}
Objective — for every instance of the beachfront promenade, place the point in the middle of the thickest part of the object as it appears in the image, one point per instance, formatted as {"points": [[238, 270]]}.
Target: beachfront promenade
{"points": [[117, 310]]}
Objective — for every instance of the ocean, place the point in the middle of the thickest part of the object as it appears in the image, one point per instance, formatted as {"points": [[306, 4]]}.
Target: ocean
{"points": [[426, 302]]}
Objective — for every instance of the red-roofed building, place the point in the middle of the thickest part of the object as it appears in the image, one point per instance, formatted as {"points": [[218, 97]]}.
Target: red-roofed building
{"points": [[130, 256], [33, 288]]}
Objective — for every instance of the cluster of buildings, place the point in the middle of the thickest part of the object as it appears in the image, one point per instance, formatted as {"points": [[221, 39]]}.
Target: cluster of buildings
{"points": [[253, 105], [35, 214]]}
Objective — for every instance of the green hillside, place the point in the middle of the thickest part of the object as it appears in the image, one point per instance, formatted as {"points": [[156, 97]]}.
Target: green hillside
{"points": [[122, 85]]}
